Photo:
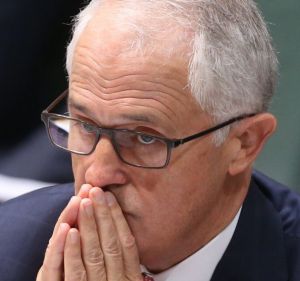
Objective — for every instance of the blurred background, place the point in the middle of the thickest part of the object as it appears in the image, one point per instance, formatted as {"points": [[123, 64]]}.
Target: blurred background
{"points": [[281, 156], [33, 36], [33, 40]]}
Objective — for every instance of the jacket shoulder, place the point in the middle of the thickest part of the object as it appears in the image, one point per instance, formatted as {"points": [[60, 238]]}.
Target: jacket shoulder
{"points": [[26, 224], [287, 204], [285, 201], [41, 202]]}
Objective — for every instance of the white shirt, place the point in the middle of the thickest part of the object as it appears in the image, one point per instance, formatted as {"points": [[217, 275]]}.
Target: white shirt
{"points": [[201, 265]]}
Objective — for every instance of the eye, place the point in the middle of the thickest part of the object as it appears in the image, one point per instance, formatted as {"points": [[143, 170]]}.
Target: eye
{"points": [[146, 139], [88, 127]]}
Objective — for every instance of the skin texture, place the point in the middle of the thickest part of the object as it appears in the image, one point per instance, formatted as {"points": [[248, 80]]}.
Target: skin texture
{"points": [[153, 217], [180, 195]]}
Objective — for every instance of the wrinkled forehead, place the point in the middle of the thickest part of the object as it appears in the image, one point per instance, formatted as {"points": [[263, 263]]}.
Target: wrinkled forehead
{"points": [[116, 62]]}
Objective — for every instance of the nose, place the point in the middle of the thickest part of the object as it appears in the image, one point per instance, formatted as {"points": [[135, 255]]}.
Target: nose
{"points": [[104, 166]]}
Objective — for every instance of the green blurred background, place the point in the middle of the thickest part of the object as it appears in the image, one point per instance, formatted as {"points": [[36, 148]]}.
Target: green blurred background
{"points": [[281, 156]]}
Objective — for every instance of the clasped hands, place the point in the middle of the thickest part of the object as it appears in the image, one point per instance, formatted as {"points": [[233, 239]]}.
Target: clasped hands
{"points": [[100, 247]]}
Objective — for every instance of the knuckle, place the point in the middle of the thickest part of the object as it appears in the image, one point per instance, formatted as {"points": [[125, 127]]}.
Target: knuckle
{"points": [[50, 250], [112, 248], [103, 214], [128, 241], [46, 268], [94, 257]]}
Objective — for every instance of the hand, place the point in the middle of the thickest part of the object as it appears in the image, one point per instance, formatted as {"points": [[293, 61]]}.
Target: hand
{"points": [[52, 266], [102, 249]]}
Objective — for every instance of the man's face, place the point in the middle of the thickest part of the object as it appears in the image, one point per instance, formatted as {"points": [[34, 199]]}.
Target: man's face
{"points": [[170, 211]]}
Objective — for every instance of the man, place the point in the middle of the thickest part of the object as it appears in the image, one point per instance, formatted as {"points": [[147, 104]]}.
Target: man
{"points": [[167, 111]]}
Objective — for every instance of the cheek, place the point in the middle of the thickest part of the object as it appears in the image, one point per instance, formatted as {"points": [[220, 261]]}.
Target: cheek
{"points": [[189, 187], [168, 213], [168, 199], [191, 176], [78, 171]]}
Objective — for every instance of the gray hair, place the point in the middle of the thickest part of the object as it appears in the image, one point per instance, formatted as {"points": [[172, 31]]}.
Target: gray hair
{"points": [[233, 67]]}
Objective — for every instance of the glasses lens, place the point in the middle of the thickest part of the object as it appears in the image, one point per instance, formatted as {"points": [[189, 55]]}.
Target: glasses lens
{"points": [[73, 135], [141, 149], [134, 148]]}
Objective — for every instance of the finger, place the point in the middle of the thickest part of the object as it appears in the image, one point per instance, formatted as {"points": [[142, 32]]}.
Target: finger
{"points": [[69, 214], [73, 266], [84, 190], [129, 248], [54, 253], [109, 239], [91, 252], [52, 268]]}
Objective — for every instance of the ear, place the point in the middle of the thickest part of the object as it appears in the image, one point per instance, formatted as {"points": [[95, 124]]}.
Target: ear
{"points": [[249, 137]]}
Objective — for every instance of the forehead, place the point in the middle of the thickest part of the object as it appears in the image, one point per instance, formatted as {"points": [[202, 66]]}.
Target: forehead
{"points": [[110, 42], [109, 62], [115, 29], [115, 43]]}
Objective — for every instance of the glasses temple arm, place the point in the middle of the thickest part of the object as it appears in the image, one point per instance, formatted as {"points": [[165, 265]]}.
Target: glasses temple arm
{"points": [[210, 130], [56, 101]]}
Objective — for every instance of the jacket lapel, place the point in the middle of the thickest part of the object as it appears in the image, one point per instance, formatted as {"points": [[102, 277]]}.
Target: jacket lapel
{"points": [[256, 251]]}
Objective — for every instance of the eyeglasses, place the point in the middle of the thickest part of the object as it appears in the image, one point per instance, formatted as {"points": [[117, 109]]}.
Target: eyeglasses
{"points": [[134, 148]]}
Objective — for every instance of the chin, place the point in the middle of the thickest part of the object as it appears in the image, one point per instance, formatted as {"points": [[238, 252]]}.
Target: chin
{"points": [[149, 257], [153, 263]]}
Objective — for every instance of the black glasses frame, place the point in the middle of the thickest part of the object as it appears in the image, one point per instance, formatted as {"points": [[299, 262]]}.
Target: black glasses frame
{"points": [[170, 143]]}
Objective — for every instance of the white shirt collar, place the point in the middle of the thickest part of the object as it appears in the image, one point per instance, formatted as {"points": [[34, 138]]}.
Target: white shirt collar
{"points": [[201, 265]]}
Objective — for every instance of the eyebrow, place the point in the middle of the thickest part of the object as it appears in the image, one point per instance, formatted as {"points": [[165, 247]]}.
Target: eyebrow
{"points": [[138, 118], [131, 117], [79, 107]]}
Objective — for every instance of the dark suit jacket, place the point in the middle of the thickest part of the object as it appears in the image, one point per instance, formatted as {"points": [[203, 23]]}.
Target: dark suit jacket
{"points": [[264, 247]]}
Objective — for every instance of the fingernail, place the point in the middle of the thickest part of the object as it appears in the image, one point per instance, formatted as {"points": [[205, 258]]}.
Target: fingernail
{"points": [[63, 226], [87, 205], [98, 196], [73, 198], [110, 199], [85, 188], [74, 236]]}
